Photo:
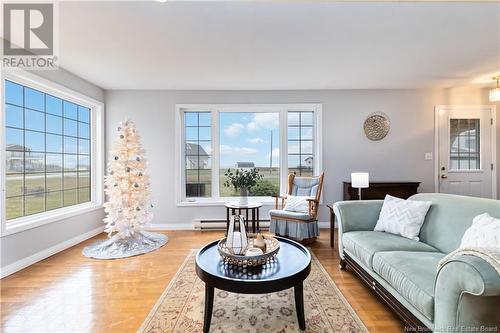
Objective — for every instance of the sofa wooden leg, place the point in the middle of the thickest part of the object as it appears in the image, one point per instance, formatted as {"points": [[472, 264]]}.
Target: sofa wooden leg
{"points": [[342, 264]]}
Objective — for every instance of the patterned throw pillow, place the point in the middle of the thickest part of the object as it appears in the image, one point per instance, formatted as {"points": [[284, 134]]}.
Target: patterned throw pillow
{"points": [[297, 204], [402, 217], [484, 232]]}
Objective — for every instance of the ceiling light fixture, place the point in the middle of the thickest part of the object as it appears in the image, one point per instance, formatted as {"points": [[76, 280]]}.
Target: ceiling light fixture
{"points": [[495, 92]]}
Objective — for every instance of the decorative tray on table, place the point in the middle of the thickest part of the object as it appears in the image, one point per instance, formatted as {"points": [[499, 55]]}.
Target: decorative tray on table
{"points": [[272, 248]]}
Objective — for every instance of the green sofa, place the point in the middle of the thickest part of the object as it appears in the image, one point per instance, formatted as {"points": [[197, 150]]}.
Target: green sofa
{"points": [[463, 296]]}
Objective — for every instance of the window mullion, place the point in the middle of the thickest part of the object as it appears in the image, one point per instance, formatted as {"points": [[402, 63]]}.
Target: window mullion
{"points": [[182, 155], [215, 153], [317, 141], [283, 150]]}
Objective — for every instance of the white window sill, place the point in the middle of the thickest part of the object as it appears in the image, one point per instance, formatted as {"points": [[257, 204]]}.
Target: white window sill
{"points": [[266, 201], [36, 220]]}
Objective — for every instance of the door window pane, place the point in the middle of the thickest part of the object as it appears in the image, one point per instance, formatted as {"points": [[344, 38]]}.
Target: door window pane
{"points": [[465, 144]]}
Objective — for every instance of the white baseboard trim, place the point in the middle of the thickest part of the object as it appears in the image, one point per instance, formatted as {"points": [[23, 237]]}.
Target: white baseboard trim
{"points": [[169, 226], [189, 226], [324, 225], [28, 261]]}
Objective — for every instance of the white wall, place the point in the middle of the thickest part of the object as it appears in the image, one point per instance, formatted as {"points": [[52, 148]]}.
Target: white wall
{"points": [[399, 157], [16, 248]]}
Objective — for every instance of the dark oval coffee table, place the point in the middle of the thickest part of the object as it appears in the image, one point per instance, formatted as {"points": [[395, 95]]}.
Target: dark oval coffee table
{"points": [[290, 269]]}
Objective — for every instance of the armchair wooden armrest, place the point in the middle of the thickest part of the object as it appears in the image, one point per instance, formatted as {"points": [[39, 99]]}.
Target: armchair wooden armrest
{"points": [[276, 198], [313, 207]]}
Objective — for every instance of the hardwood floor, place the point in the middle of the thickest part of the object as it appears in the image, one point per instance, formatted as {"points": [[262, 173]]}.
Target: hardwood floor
{"points": [[70, 293]]}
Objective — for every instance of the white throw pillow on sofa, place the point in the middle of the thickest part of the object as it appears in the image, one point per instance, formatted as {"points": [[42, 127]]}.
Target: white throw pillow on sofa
{"points": [[484, 232], [297, 204], [402, 217]]}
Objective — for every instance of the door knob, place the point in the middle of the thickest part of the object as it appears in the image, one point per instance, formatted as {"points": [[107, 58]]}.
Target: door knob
{"points": [[444, 176]]}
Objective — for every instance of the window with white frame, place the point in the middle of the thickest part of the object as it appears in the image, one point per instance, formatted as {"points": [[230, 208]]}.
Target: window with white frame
{"points": [[217, 139], [48, 151]]}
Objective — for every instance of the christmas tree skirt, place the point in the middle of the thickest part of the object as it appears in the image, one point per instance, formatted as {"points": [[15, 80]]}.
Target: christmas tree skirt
{"points": [[117, 247]]}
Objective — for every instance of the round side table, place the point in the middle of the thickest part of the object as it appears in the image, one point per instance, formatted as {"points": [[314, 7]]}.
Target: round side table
{"points": [[252, 207]]}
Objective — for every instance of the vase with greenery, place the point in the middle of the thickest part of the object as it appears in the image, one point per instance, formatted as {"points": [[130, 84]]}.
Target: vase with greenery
{"points": [[242, 179]]}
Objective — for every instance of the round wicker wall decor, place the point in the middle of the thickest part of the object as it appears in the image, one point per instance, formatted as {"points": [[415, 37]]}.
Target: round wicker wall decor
{"points": [[376, 126]]}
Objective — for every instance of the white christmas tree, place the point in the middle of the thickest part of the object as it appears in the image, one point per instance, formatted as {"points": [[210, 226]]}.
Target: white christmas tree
{"points": [[128, 206]]}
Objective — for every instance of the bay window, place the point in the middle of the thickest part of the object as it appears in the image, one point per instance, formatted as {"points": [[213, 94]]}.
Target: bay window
{"points": [[216, 139]]}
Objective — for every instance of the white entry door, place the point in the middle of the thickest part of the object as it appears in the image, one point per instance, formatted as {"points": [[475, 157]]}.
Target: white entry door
{"points": [[465, 143]]}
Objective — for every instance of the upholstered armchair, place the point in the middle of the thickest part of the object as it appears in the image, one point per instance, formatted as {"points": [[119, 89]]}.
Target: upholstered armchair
{"points": [[298, 225]]}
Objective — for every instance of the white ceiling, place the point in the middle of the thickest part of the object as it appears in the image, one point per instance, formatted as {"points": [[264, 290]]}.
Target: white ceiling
{"points": [[278, 45]]}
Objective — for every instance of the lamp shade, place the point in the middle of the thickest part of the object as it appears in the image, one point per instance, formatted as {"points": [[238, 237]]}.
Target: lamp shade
{"points": [[495, 95], [360, 179]]}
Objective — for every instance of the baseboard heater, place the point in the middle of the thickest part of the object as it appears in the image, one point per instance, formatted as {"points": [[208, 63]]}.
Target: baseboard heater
{"points": [[220, 224]]}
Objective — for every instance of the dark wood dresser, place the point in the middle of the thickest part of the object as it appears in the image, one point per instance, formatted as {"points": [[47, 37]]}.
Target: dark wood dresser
{"points": [[376, 191]]}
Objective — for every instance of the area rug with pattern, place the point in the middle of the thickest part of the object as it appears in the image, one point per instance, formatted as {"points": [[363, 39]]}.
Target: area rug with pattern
{"points": [[180, 308]]}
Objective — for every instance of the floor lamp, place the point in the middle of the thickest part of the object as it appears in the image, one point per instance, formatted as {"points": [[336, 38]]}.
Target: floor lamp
{"points": [[360, 180]]}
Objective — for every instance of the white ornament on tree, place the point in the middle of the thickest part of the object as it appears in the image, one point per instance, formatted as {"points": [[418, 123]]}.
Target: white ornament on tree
{"points": [[128, 208]]}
